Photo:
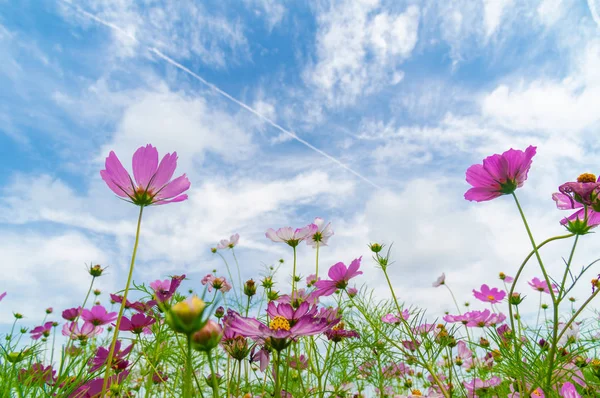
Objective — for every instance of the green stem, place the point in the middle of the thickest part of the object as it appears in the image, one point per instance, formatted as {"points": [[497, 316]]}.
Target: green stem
{"points": [[215, 386], [317, 271], [235, 291], [187, 377], [294, 274], [120, 316], [238, 270], [564, 279], [277, 387]]}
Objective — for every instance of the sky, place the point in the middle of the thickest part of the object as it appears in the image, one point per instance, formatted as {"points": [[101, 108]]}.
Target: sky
{"points": [[363, 112]]}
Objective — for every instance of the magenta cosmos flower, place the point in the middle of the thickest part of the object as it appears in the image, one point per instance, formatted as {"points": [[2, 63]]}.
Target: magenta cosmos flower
{"points": [[93, 388], [542, 286], [153, 184], [281, 331], [164, 290], [119, 361], [476, 318], [98, 316], [499, 174], [488, 295], [139, 323], [568, 390], [340, 275], [290, 235], [579, 195], [41, 331]]}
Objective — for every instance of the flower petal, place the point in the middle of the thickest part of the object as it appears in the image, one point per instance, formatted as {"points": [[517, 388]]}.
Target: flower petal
{"points": [[145, 163], [173, 189], [165, 170]]}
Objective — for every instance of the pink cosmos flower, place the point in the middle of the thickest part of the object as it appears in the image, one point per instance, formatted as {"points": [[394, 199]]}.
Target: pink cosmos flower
{"points": [[119, 299], [119, 361], [391, 318], [139, 323], [441, 280], [300, 364], [93, 388], [164, 290], [153, 184], [542, 286], [488, 295], [143, 307], [290, 236], [41, 331], [98, 316], [86, 331], [499, 174], [340, 275], [37, 374], [476, 318], [481, 386], [299, 296], [568, 390], [321, 235], [424, 328], [217, 283], [565, 202], [311, 280], [231, 243]]}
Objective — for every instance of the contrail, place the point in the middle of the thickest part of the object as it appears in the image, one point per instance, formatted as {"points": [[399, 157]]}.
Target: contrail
{"points": [[223, 93]]}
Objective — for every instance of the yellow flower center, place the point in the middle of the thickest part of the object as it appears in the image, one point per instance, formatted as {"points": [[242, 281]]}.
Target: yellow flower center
{"points": [[416, 392], [537, 393], [586, 177], [491, 298], [339, 326], [279, 323]]}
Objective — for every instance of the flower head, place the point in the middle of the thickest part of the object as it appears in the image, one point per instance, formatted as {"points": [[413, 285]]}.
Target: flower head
{"points": [[542, 286], [476, 318], [321, 235], [119, 361], [290, 236], [153, 184], [139, 323], [441, 280], [229, 244], [499, 174], [98, 316], [568, 390], [164, 290], [582, 220], [72, 313], [87, 331], [41, 331], [340, 275], [481, 386], [186, 316], [217, 283], [488, 295]]}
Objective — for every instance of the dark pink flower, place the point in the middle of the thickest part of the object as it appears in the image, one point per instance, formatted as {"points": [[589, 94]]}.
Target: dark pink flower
{"points": [[261, 356], [153, 184], [584, 191], [564, 202], [71, 314], [542, 286], [139, 323], [340, 275], [290, 235], [119, 363], [499, 174], [391, 318], [37, 374], [164, 290], [41, 331], [143, 307], [338, 333], [488, 295], [93, 388], [119, 299], [98, 316]]}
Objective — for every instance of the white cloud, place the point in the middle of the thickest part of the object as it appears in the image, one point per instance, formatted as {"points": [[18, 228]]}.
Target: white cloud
{"points": [[493, 12], [359, 47], [272, 10], [550, 11], [550, 105]]}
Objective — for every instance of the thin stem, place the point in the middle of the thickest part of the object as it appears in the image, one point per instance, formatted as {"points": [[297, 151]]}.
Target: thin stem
{"points": [[277, 387], [294, 274], [237, 300], [238, 270], [120, 316], [453, 299], [215, 386], [317, 270]]}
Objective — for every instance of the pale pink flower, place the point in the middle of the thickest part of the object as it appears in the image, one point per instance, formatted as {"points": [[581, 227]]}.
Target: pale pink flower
{"points": [[321, 235], [231, 243], [290, 235], [441, 280]]}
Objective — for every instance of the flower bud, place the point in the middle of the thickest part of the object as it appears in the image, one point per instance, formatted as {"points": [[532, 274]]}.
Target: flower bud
{"points": [[267, 282], [209, 377], [375, 247], [18, 316], [352, 292], [484, 342], [515, 299], [208, 337], [220, 312], [250, 288], [96, 270], [186, 316], [49, 310], [272, 295], [213, 249]]}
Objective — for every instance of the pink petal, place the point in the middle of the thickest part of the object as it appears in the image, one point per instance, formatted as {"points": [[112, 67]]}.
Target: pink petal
{"points": [[145, 162], [337, 272], [480, 194], [165, 171], [497, 166], [174, 188], [116, 177], [353, 268], [564, 202], [272, 234]]}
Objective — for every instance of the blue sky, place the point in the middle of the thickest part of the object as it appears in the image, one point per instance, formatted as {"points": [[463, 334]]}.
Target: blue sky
{"points": [[407, 94]]}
